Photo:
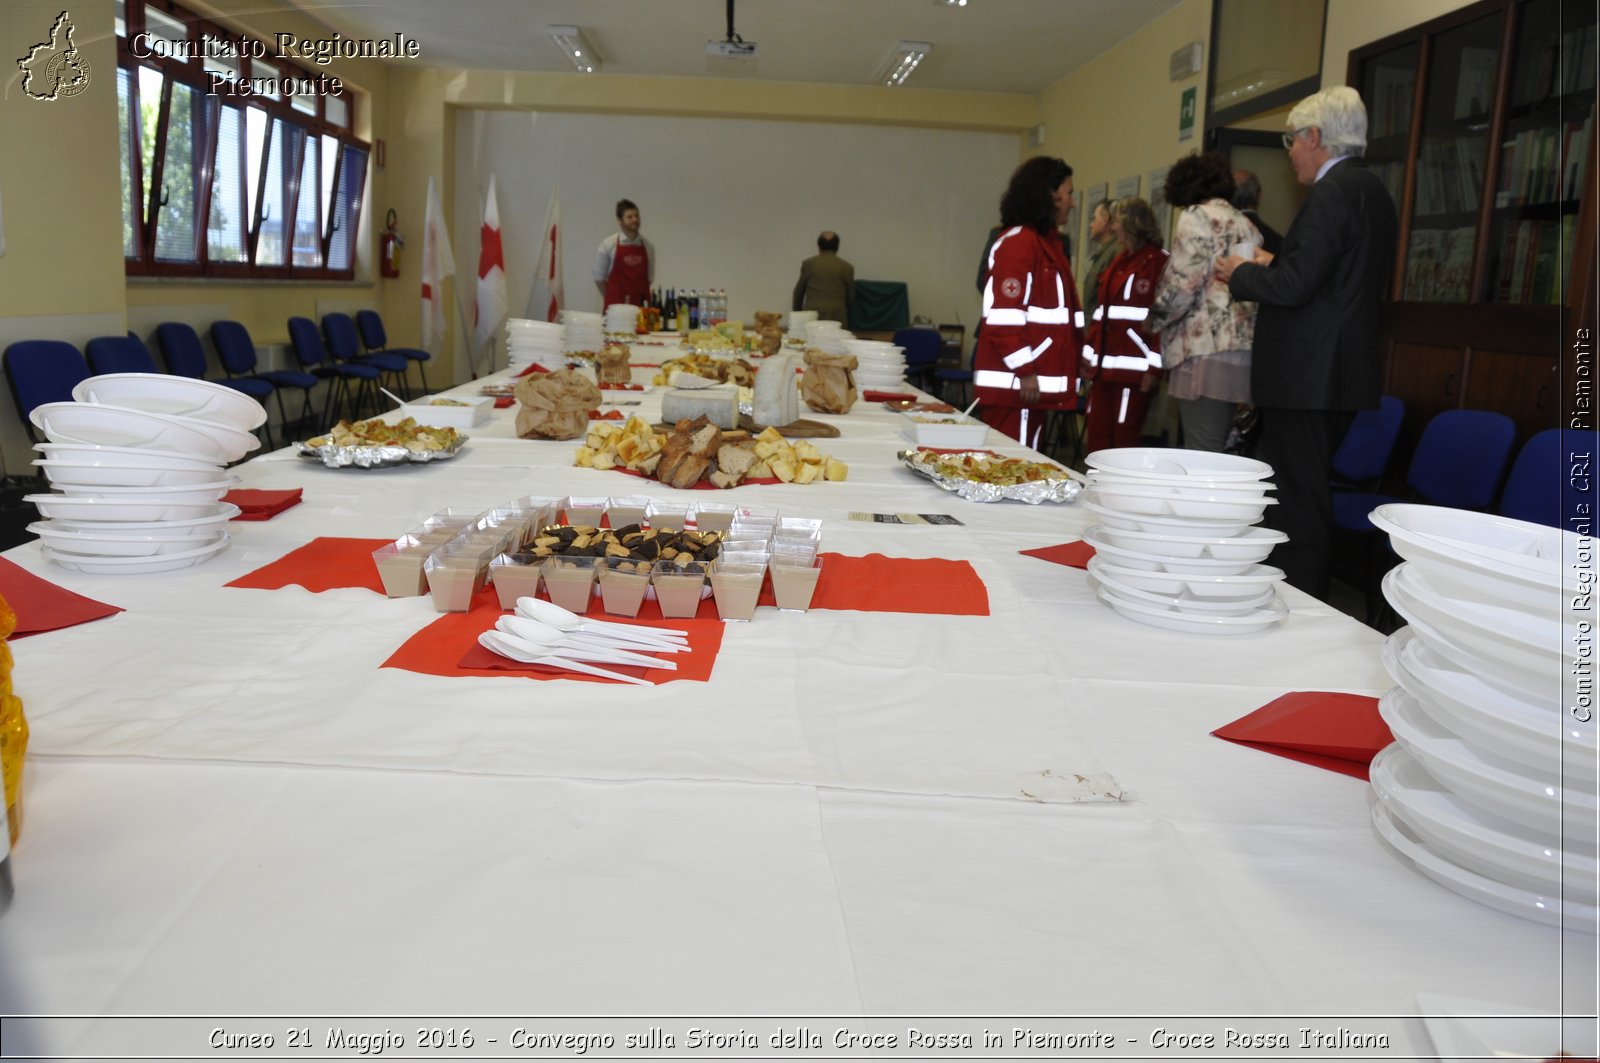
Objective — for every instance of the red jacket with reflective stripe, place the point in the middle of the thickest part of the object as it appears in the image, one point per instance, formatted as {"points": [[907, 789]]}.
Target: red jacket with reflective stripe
{"points": [[1029, 329], [1123, 349]]}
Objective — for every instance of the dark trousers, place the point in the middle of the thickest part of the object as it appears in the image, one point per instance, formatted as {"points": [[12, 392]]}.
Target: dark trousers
{"points": [[1299, 445]]}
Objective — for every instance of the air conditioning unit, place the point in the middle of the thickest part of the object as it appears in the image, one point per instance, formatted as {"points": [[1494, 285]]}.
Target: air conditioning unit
{"points": [[1185, 62]]}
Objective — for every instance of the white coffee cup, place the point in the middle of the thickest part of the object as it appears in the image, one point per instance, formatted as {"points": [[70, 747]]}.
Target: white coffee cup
{"points": [[1244, 249]]}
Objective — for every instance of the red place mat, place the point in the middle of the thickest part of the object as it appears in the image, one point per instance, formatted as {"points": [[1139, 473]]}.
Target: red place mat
{"points": [[43, 606], [879, 584], [256, 504], [323, 564], [1075, 554], [449, 647], [1339, 732]]}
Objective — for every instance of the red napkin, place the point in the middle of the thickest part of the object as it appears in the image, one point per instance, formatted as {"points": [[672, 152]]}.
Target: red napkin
{"points": [[1339, 732], [621, 387], [534, 368], [449, 647], [1074, 554], [503, 401], [872, 395], [262, 505], [879, 584], [42, 606], [323, 564]]}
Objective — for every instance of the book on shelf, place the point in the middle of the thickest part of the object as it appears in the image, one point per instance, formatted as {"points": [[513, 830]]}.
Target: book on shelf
{"points": [[1542, 287], [1475, 81], [1392, 91]]}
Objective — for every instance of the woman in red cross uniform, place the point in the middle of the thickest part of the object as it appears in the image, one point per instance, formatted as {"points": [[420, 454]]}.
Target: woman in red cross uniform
{"points": [[1026, 363], [1123, 359]]}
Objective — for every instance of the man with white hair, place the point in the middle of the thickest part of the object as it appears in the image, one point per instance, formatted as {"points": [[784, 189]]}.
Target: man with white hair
{"points": [[1315, 359]]}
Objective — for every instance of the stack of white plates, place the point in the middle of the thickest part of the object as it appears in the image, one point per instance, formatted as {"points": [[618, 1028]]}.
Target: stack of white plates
{"points": [[1177, 546], [622, 317], [798, 321], [878, 364], [138, 463], [531, 342], [827, 336], [584, 331], [1490, 788]]}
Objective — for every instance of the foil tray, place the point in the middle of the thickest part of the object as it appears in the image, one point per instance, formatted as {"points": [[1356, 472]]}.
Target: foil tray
{"points": [[375, 457], [1062, 489]]}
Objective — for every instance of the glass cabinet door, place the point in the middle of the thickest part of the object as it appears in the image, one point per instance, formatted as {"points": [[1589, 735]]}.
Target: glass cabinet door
{"points": [[1388, 86], [1544, 153], [1458, 101]]}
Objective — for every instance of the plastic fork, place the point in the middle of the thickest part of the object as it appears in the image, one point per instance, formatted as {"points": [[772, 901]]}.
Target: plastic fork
{"points": [[496, 642], [565, 620], [549, 640]]}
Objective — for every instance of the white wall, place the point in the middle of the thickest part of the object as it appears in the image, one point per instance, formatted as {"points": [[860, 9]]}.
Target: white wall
{"points": [[735, 203]]}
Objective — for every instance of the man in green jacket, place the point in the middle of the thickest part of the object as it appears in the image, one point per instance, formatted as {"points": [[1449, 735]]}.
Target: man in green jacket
{"points": [[827, 282]]}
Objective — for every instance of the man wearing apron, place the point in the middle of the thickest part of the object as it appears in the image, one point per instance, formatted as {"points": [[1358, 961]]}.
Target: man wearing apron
{"points": [[627, 263]]}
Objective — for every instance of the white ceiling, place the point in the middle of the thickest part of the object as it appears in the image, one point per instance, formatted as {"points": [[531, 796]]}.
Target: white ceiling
{"points": [[1016, 46]]}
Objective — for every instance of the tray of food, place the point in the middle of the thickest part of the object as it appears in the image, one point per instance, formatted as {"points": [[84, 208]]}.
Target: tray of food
{"points": [[981, 477], [375, 444]]}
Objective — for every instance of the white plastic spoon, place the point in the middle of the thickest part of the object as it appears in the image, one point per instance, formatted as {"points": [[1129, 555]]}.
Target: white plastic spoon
{"points": [[549, 640], [566, 620], [495, 642], [609, 639]]}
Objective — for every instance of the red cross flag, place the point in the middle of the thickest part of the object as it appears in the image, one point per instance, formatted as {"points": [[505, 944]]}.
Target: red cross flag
{"points": [[544, 301], [438, 262], [491, 305]]}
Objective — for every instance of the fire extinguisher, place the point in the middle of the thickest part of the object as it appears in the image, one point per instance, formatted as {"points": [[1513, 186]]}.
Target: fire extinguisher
{"points": [[389, 244]]}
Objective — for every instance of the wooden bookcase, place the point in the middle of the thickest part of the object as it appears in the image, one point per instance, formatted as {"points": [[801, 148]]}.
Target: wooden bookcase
{"points": [[1481, 124]]}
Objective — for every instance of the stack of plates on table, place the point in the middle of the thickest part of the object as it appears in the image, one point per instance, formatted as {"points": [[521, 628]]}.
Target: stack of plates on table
{"points": [[583, 332], [798, 322], [1490, 787], [878, 364], [827, 336], [622, 317], [531, 342], [1177, 546], [137, 463]]}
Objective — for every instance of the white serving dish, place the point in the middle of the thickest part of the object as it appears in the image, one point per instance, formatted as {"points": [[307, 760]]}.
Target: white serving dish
{"points": [[1530, 730], [1185, 601], [1235, 587], [1177, 620], [177, 396], [1151, 561], [1497, 848], [1174, 526], [1195, 464], [85, 422], [1249, 547], [224, 512], [119, 566], [936, 431], [204, 492], [1524, 640], [1198, 504], [139, 544], [1482, 556], [91, 454], [1494, 784], [80, 509], [476, 411], [1224, 488], [89, 474]]}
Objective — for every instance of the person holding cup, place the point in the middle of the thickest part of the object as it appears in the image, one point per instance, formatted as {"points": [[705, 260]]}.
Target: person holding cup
{"points": [[1205, 332]]}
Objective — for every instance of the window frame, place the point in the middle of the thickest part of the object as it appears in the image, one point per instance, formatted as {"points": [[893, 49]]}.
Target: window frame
{"points": [[333, 208]]}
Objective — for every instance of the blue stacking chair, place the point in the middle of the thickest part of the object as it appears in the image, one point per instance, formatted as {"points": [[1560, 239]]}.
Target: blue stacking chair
{"points": [[120, 354], [376, 340], [237, 353], [41, 371], [922, 354], [1363, 454], [345, 347], [180, 346], [1534, 485], [306, 340]]}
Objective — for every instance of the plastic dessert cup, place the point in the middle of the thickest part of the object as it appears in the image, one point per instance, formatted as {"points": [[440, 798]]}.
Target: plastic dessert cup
{"points": [[678, 587], [668, 516], [713, 516], [586, 511], [570, 582], [623, 582], [793, 585], [515, 576], [736, 586], [627, 510], [400, 567], [454, 577]]}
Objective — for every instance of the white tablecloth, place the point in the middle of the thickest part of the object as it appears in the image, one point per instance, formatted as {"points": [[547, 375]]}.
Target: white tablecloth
{"points": [[860, 814]]}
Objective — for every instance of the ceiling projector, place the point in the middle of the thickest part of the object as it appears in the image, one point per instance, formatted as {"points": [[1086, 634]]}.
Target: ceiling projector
{"points": [[731, 49]]}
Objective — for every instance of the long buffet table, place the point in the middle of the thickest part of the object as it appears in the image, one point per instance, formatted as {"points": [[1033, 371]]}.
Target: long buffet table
{"points": [[233, 810]]}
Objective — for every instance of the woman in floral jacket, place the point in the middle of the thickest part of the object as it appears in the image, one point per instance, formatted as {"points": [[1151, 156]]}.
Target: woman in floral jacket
{"points": [[1205, 333]]}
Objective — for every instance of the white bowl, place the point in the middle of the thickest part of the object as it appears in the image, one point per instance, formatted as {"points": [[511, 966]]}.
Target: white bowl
{"points": [[1197, 504], [1150, 561], [119, 566], [1529, 730], [1250, 546], [1494, 784], [90, 454], [82, 474], [211, 491], [1497, 848], [224, 512], [1542, 908], [1185, 601], [1177, 620], [1236, 587], [85, 422], [1526, 641], [80, 509], [1183, 527], [1482, 556], [1196, 464], [135, 544], [178, 396]]}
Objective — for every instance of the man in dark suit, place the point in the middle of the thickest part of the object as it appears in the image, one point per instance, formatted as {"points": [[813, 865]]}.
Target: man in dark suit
{"points": [[827, 282], [1315, 359], [1246, 198]]}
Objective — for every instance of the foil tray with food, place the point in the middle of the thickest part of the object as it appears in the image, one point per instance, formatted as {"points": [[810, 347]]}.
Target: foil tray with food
{"points": [[984, 477], [375, 444]]}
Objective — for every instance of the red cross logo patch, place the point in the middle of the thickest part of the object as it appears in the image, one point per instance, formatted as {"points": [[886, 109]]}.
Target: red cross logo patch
{"points": [[1142, 286], [1011, 287]]}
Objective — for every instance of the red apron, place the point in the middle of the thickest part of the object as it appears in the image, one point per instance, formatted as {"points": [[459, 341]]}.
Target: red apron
{"points": [[629, 281]]}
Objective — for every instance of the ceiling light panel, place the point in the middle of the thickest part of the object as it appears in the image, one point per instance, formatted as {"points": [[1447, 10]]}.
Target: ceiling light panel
{"points": [[579, 52], [905, 58]]}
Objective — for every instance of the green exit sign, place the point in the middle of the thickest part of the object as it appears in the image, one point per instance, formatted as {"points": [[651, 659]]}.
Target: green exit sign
{"points": [[1186, 114]]}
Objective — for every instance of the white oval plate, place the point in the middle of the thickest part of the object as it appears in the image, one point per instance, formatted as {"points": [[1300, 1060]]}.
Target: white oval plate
{"points": [[90, 454], [1185, 602], [1217, 589], [117, 566], [210, 491], [1201, 504], [1250, 547], [1497, 848], [1524, 640], [93, 509], [178, 396], [75, 474], [1197, 464], [1157, 562], [1188, 524], [224, 512], [1541, 908], [92, 544], [1173, 620], [1224, 488], [85, 422], [1498, 786]]}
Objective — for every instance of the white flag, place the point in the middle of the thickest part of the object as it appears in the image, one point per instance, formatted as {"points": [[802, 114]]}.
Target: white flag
{"points": [[491, 305], [544, 301], [437, 263]]}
